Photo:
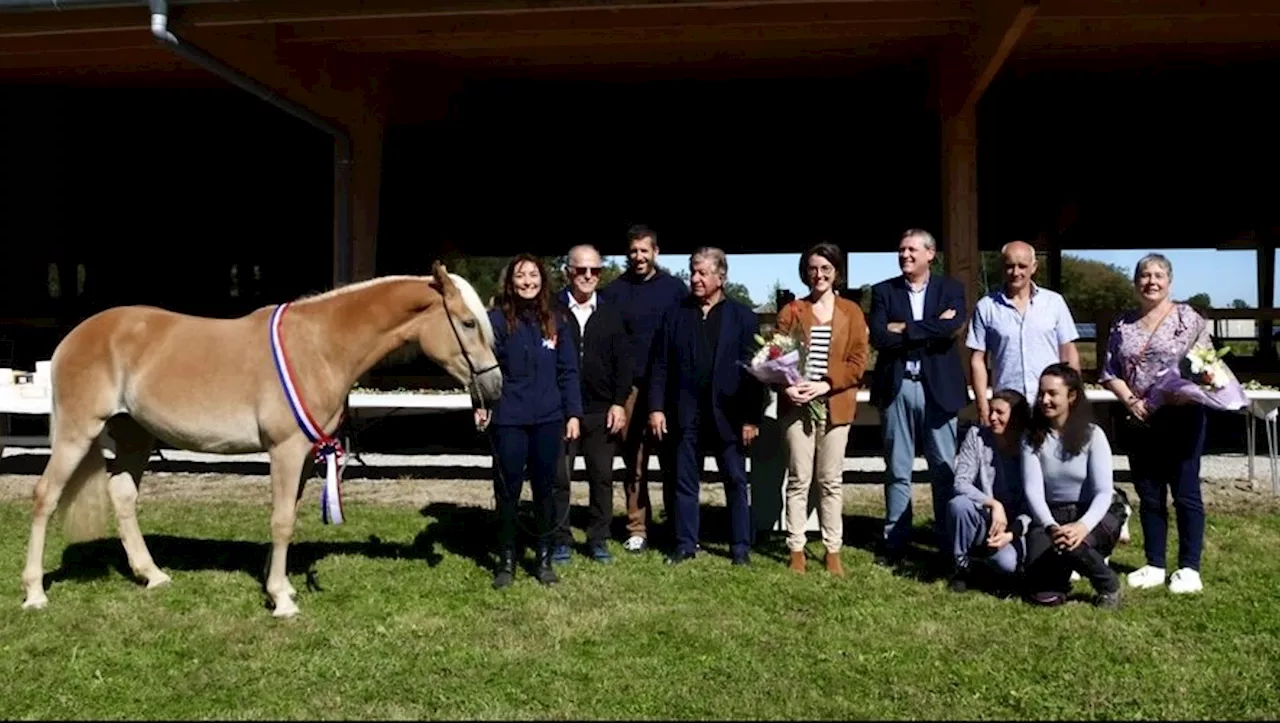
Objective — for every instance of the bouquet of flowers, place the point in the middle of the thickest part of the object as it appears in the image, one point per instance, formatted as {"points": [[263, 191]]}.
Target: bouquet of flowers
{"points": [[1201, 377], [780, 359]]}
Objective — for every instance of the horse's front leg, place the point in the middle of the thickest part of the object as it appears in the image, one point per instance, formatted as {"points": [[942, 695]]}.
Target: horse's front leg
{"points": [[287, 462]]}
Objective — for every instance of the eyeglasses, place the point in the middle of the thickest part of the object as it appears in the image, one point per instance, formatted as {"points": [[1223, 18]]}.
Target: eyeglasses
{"points": [[585, 270]]}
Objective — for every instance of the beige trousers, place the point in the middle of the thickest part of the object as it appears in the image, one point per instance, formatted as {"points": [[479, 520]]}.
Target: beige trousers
{"points": [[815, 450]]}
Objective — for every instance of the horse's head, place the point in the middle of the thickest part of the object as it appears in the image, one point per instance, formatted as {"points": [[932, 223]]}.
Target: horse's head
{"points": [[466, 349]]}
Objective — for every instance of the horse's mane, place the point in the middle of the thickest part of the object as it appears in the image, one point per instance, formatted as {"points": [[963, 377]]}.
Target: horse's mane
{"points": [[469, 297], [472, 300]]}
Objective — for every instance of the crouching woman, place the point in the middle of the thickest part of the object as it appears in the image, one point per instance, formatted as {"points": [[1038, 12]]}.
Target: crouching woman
{"points": [[986, 520], [1067, 482]]}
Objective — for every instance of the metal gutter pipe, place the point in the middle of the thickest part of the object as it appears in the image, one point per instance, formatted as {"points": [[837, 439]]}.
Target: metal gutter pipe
{"points": [[160, 29], [342, 142]]}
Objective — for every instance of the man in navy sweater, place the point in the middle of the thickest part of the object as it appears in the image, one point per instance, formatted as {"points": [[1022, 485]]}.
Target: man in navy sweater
{"points": [[701, 395], [645, 293], [605, 361]]}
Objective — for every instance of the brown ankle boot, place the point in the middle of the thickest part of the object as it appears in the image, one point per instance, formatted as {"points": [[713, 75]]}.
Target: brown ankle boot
{"points": [[797, 562], [833, 564]]}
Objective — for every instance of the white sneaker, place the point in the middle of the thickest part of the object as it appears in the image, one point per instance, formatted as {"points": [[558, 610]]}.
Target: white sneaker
{"points": [[1146, 576], [1185, 580], [635, 543]]}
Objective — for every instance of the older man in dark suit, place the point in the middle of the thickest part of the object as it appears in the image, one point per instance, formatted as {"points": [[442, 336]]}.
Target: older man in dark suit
{"points": [[919, 384], [701, 394]]}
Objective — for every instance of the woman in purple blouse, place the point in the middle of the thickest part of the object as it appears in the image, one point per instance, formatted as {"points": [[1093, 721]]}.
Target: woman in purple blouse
{"points": [[1164, 445]]}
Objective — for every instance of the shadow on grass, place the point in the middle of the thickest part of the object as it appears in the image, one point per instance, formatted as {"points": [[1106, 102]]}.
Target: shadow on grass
{"points": [[99, 558], [471, 532]]}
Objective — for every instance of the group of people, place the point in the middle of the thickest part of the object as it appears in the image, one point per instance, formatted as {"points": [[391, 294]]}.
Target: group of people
{"points": [[647, 366]]}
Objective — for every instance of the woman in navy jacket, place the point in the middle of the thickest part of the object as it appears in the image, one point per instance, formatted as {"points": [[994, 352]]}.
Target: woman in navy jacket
{"points": [[540, 407]]}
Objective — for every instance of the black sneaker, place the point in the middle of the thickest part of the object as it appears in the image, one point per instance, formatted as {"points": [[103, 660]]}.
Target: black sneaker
{"points": [[676, 558], [1108, 600], [889, 558], [958, 581]]}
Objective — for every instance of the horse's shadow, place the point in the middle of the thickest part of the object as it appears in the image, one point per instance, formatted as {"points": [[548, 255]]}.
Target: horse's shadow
{"points": [[99, 558]]}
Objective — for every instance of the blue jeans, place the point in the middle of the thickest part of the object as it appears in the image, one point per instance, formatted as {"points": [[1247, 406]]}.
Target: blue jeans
{"points": [[911, 422], [968, 525]]}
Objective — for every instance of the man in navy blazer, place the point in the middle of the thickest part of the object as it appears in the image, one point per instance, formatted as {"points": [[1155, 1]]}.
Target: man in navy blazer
{"points": [[919, 383], [701, 394]]}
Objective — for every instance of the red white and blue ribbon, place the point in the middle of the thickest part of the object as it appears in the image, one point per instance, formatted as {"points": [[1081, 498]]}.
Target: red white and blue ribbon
{"points": [[326, 447]]}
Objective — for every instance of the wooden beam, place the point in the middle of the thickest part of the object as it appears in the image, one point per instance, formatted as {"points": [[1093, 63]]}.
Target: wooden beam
{"points": [[970, 68], [264, 14], [960, 198]]}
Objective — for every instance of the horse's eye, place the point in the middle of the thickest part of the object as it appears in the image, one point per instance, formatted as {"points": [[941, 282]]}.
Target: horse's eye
{"points": [[470, 323]]}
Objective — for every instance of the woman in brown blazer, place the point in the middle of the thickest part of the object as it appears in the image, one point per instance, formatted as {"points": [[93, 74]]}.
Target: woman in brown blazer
{"points": [[835, 332]]}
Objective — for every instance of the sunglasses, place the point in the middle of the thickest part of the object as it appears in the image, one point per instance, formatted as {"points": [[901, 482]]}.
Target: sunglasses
{"points": [[585, 270]]}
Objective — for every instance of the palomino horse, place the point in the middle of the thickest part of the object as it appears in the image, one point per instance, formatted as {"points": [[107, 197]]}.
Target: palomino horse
{"points": [[131, 375]]}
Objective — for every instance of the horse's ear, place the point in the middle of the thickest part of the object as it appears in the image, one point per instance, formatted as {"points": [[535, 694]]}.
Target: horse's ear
{"points": [[442, 278]]}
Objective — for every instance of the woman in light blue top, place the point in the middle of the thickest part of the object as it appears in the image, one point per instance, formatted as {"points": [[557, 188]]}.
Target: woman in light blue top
{"points": [[1066, 473], [985, 519]]}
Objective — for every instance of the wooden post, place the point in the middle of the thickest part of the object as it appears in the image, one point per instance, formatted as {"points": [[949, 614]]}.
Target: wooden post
{"points": [[962, 75], [1266, 294], [365, 189], [365, 118], [960, 198]]}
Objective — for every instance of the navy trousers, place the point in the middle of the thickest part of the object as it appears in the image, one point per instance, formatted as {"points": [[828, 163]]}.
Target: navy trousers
{"points": [[537, 448], [1164, 455], [691, 447]]}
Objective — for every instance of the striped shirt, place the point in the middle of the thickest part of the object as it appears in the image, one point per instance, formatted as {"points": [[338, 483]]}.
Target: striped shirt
{"points": [[819, 348]]}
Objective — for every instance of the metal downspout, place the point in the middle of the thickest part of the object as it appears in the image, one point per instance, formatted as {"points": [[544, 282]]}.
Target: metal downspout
{"points": [[342, 142]]}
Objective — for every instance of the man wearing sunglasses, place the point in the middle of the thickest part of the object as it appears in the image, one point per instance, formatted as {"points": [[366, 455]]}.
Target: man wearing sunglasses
{"points": [[645, 293], [605, 361]]}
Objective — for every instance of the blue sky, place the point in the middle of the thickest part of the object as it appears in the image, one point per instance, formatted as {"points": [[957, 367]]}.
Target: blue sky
{"points": [[1224, 275]]}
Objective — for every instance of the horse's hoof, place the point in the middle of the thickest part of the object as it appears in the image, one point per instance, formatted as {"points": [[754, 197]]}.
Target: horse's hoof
{"points": [[159, 579], [285, 609], [35, 603]]}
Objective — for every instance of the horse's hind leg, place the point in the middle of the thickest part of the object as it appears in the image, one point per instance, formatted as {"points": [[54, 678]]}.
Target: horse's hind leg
{"points": [[76, 457], [133, 449]]}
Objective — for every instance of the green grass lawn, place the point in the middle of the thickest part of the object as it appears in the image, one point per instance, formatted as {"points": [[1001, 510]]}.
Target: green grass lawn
{"points": [[405, 625]]}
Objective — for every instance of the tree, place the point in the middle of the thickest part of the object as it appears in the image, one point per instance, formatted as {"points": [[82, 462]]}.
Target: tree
{"points": [[1200, 301], [864, 298], [1239, 304], [1093, 288], [771, 301]]}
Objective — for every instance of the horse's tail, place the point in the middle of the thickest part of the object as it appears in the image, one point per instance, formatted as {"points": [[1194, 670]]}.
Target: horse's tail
{"points": [[85, 503]]}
